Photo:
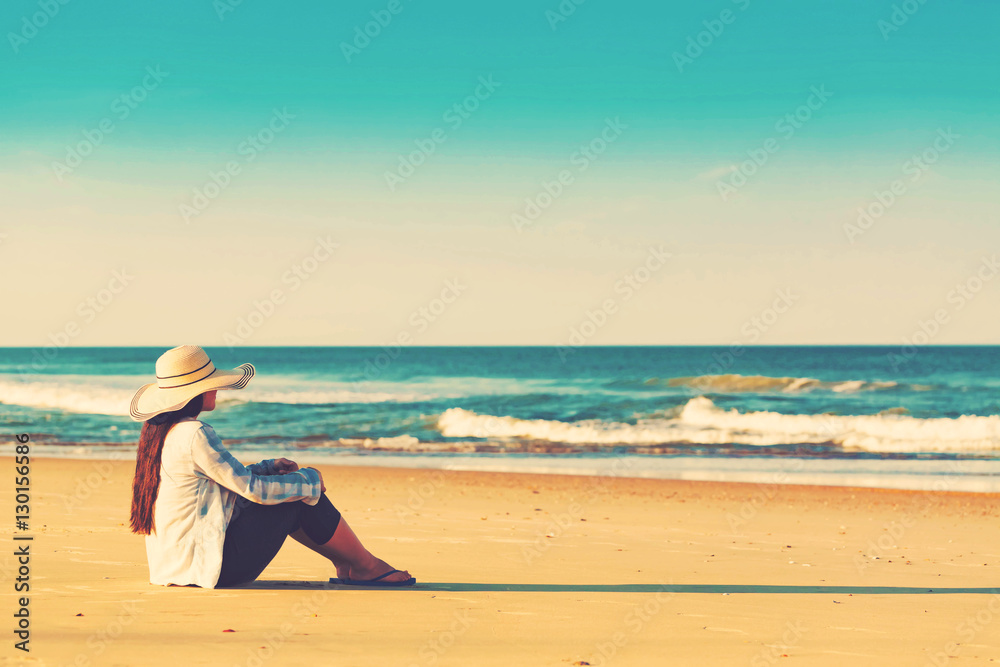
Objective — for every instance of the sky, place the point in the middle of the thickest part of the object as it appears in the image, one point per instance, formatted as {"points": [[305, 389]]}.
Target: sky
{"points": [[453, 173]]}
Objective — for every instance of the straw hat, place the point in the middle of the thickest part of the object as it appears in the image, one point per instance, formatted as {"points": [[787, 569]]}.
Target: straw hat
{"points": [[181, 374]]}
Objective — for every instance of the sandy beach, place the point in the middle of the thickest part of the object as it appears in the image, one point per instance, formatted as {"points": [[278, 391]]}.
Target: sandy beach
{"points": [[533, 570]]}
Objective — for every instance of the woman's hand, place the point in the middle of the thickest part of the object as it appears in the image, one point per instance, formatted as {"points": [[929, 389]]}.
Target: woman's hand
{"points": [[284, 466], [321, 483]]}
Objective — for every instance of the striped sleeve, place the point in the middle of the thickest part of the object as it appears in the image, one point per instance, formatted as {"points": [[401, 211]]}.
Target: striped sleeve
{"points": [[214, 461], [265, 467]]}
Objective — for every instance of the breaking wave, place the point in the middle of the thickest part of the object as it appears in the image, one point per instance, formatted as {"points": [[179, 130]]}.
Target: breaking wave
{"points": [[68, 397], [701, 422], [761, 383]]}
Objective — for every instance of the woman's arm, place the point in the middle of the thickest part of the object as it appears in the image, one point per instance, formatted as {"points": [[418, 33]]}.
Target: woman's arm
{"points": [[213, 460], [273, 467]]}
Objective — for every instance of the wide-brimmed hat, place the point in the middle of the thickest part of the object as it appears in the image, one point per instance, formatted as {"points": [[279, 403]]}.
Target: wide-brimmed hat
{"points": [[181, 374]]}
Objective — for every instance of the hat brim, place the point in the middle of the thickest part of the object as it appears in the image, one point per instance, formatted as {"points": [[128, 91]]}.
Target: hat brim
{"points": [[150, 400]]}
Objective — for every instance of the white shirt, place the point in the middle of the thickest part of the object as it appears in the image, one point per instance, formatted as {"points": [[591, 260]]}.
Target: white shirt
{"points": [[199, 482]]}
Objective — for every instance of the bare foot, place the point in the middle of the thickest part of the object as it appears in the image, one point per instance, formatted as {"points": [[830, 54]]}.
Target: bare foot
{"points": [[377, 568]]}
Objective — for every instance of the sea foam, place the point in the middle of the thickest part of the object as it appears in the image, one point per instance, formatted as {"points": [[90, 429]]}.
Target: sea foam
{"points": [[702, 422], [68, 397]]}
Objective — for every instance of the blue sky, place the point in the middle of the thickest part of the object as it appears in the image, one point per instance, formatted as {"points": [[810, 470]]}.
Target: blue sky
{"points": [[891, 92]]}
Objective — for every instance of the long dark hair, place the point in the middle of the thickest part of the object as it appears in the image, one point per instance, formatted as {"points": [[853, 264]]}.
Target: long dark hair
{"points": [[146, 482]]}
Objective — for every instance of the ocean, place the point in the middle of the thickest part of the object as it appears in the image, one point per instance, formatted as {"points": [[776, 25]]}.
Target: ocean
{"points": [[919, 417]]}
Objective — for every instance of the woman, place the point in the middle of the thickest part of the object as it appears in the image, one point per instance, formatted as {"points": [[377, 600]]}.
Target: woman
{"points": [[208, 520]]}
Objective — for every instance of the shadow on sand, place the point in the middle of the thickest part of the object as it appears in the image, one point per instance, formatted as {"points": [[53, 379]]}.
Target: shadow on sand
{"points": [[630, 588]]}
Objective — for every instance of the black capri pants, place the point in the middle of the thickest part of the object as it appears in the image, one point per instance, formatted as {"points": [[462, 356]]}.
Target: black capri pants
{"points": [[256, 532]]}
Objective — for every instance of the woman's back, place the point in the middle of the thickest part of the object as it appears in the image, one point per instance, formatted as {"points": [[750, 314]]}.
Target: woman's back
{"points": [[190, 515]]}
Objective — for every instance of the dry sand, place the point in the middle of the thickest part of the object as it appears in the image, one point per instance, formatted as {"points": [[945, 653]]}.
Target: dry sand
{"points": [[533, 570]]}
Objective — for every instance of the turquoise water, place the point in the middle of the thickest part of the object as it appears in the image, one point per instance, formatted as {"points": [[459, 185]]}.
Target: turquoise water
{"points": [[696, 412]]}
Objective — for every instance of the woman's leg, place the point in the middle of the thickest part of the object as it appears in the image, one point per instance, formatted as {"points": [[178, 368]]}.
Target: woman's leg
{"points": [[254, 538], [345, 551], [257, 533]]}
